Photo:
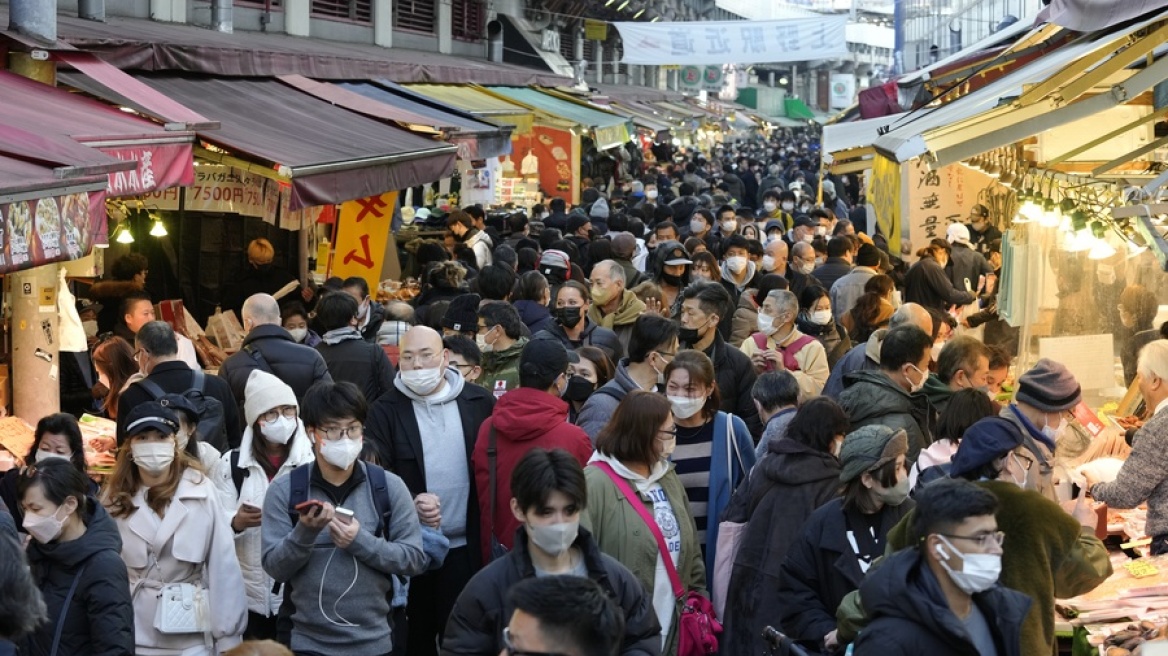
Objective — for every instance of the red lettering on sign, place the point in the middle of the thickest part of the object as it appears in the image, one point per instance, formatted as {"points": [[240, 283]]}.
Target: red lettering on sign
{"points": [[371, 205], [366, 260]]}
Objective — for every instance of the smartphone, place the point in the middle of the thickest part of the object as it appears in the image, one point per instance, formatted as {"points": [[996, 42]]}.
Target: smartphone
{"points": [[344, 515], [308, 506], [249, 507]]}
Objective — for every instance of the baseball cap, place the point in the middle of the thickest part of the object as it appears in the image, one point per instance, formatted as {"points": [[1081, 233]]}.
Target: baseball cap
{"points": [[151, 415], [677, 255]]}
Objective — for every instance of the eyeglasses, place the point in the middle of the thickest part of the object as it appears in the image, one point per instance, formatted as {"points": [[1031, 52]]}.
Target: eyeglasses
{"points": [[669, 434], [512, 651], [424, 360], [464, 367], [1024, 460], [288, 411], [334, 434], [983, 540]]}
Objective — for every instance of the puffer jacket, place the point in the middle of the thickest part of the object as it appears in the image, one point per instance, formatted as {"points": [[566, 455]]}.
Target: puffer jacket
{"points": [[298, 365], [745, 320], [534, 315], [792, 480], [592, 335], [248, 545], [871, 397], [100, 617]]}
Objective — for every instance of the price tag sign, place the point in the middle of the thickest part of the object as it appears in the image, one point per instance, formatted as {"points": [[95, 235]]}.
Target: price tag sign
{"points": [[1141, 569]]}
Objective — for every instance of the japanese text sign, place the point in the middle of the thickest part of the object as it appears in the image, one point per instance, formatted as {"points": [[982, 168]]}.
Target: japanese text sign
{"points": [[734, 42], [159, 166], [362, 233], [939, 197]]}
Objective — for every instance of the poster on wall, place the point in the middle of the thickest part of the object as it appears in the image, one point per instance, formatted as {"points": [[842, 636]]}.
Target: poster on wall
{"points": [[52, 229], [558, 160], [938, 198], [362, 233]]}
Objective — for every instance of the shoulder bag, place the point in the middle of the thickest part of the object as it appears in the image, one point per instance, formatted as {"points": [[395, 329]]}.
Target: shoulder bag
{"points": [[729, 532]]}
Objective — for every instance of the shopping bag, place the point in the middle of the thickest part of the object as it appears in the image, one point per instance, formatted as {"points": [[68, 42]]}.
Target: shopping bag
{"points": [[224, 329]]}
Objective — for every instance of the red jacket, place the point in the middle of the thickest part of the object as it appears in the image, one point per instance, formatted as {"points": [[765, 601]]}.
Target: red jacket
{"points": [[524, 419]]}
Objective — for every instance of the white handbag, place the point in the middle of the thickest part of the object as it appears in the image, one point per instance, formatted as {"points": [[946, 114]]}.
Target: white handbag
{"points": [[182, 608]]}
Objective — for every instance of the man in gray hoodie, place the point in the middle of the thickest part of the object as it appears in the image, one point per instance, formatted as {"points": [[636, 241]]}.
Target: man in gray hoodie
{"points": [[340, 569]]}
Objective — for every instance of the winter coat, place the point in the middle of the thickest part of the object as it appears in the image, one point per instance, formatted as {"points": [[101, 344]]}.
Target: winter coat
{"points": [[262, 597], [735, 375], [820, 569], [774, 430], [299, 366], [911, 616], [176, 377], [791, 481], [832, 270], [599, 407], [534, 315], [100, 617], [620, 532], [480, 243], [621, 321], [862, 357], [361, 363], [373, 323], [191, 543], [812, 359], [800, 281], [1143, 476], [848, 289], [725, 477], [482, 611], [501, 369], [836, 341], [745, 319], [966, 264], [871, 397], [927, 284], [980, 241], [524, 419], [592, 335]]}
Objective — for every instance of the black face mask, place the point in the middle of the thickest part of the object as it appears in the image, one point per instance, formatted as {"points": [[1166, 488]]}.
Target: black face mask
{"points": [[673, 281], [688, 336], [569, 317], [579, 389]]}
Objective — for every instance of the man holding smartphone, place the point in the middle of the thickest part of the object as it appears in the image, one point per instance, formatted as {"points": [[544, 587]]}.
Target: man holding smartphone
{"points": [[340, 572]]}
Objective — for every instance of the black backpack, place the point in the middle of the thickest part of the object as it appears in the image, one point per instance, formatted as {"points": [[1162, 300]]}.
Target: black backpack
{"points": [[212, 424]]}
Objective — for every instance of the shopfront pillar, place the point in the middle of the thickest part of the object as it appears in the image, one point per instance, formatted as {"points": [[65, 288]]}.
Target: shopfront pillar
{"points": [[578, 42], [297, 17], [383, 23], [36, 389], [599, 54], [445, 27], [169, 11]]}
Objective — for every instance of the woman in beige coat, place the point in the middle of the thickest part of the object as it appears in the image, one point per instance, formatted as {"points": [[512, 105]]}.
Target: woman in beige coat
{"points": [[173, 532]]}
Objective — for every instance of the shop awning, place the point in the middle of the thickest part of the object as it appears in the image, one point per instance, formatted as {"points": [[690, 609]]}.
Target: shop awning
{"points": [[634, 93], [682, 109], [21, 179], [839, 137], [329, 154], [479, 103], [997, 39], [649, 122], [609, 130], [797, 109]]}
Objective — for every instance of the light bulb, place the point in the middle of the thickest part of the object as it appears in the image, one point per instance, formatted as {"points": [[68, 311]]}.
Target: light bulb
{"points": [[124, 235], [1077, 242], [158, 229], [1101, 250], [1051, 217]]}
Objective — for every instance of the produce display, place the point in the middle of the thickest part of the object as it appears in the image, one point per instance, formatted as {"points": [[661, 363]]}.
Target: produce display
{"points": [[1128, 641], [101, 443]]}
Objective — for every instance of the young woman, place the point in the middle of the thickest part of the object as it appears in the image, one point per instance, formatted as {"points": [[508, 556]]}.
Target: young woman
{"points": [[176, 542], [74, 559], [714, 449], [816, 319], [704, 267], [634, 447], [294, 319], [840, 540], [273, 444], [593, 368], [114, 361], [56, 436], [187, 437], [872, 310], [966, 408]]}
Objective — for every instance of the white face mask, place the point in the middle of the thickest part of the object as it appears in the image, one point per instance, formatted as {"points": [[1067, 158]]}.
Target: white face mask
{"points": [[422, 381], [809, 237], [768, 263], [685, 407], [153, 457], [651, 194], [45, 528], [696, 226], [804, 267], [279, 431], [481, 340], [341, 453], [820, 317], [788, 206], [181, 437], [766, 323], [916, 387], [298, 334], [554, 539], [729, 227], [979, 572], [1053, 432], [667, 447], [769, 206], [935, 352], [821, 231], [736, 264], [90, 328], [42, 456]]}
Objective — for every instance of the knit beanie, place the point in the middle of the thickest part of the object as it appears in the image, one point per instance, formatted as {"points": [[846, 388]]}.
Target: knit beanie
{"points": [[1049, 386], [463, 313], [869, 447], [988, 439], [263, 393], [599, 209]]}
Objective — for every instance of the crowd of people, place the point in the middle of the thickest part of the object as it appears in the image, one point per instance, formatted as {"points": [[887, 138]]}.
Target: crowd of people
{"points": [[707, 381]]}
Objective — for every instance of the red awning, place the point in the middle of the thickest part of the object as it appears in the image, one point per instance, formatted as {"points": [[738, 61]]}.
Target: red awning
{"points": [[20, 178], [330, 154]]}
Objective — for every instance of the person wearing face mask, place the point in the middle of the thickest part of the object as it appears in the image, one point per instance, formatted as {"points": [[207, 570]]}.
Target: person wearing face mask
{"points": [[1045, 396], [548, 498], [588, 369], [175, 537], [927, 284], [745, 319], [943, 595], [613, 306], [75, 560], [56, 436], [816, 319], [500, 338], [727, 222], [187, 436], [573, 327], [348, 357], [802, 232], [274, 443], [779, 346], [738, 272], [982, 231], [841, 539], [891, 395], [425, 429], [370, 313], [339, 570], [271, 348], [533, 415], [294, 319], [671, 270], [632, 453]]}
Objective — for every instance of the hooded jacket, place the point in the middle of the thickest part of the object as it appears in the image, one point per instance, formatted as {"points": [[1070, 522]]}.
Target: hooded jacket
{"points": [[836, 341], [621, 321], [100, 617], [524, 419], [849, 288], [745, 319], [592, 335], [871, 397], [534, 315], [476, 624], [480, 243], [911, 616], [501, 369], [938, 393], [862, 357], [790, 482]]}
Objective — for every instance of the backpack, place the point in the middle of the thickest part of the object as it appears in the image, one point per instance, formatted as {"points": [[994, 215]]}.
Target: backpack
{"points": [[212, 424], [237, 475]]}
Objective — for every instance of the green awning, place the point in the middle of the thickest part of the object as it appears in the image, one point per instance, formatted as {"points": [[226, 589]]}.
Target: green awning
{"points": [[609, 130], [797, 109]]}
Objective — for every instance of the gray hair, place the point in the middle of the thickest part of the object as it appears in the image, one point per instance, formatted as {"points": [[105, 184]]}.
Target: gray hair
{"points": [[786, 300], [800, 248], [262, 309], [614, 271], [399, 311], [1154, 360], [157, 338], [911, 314], [775, 389]]}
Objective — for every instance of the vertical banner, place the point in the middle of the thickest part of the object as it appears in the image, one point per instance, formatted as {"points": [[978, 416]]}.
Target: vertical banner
{"points": [[558, 164], [362, 232], [938, 198], [885, 196]]}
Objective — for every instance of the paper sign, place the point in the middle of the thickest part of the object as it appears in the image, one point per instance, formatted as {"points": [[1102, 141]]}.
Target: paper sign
{"points": [[1087, 419], [1140, 569], [362, 233], [1089, 357]]}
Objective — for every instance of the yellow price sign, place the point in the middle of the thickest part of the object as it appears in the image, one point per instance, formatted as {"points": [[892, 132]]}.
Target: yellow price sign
{"points": [[1141, 569]]}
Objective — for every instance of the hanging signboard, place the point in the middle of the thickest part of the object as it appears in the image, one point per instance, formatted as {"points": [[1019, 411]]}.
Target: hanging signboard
{"points": [[843, 90], [160, 166], [885, 197], [691, 78], [713, 79], [362, 233], [938, 198], [53, 229], [595, 30], [734, 42]]}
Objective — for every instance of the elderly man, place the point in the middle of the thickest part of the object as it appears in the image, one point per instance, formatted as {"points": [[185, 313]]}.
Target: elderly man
{"points": [[1046, 394], [867, 355], [1144, 475], [802, 264], [784, 347], [424, 430], [613, 305], [964, 363]]}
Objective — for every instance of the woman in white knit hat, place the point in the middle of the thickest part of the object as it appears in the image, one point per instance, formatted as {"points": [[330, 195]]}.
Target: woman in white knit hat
{"points": [[274, 443]]}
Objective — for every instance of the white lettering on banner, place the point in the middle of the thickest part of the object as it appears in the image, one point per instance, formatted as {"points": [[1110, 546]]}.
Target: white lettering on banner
{"points": [[733, 42], [159, 165]]}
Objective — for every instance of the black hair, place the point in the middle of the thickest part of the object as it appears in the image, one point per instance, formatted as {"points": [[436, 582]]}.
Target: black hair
{"points": [[650, 332], [294, 309], [543, 471], [557, 205], [356, 282], [527, 259], [726, 208], [685, 189], [903, 345], [706, 215], [475, 211], [810, 295], [502, 314], [666, 225], [22, 609], [128, 266], [495, 282], [328, 401], [517, 222], [735, 241], [1000, 358], [960, 354], [618, 222], [817, 423], [965, 408], [946, 502], [465, 347], [574, 613], [60, 423], [59, 480], [506, 255], [754, 246], [530, 287], [775, 389], [712, 297], [157, 338], [841, 227], [769, 283], [839, 246], [336, 311], [132, 299]]}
